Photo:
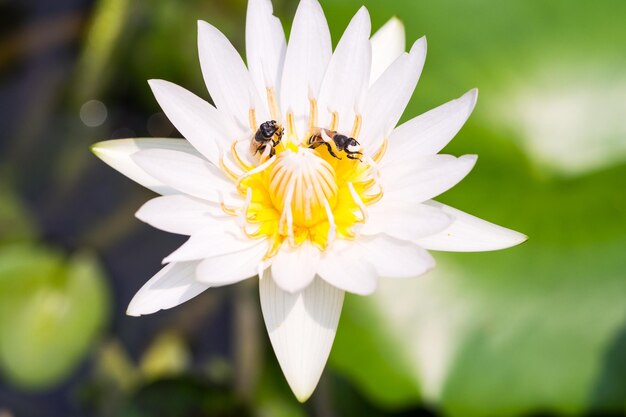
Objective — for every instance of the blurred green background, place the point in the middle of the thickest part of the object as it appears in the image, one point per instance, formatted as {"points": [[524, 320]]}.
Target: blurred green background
{"points": [[536, 330]]}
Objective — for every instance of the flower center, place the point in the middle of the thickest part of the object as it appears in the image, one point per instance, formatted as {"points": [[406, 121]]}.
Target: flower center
{"points": [[301, 189], [301, 186]]}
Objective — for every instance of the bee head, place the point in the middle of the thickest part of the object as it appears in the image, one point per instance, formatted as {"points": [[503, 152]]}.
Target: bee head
{"points": [[268, 128]]}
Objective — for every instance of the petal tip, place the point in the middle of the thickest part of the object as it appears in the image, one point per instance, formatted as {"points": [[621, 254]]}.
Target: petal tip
{"points": [[469, 159], [472, 98], [302, 397], [396, 21], [363, 9], [520, 239], [96, 149], [419, 47]]}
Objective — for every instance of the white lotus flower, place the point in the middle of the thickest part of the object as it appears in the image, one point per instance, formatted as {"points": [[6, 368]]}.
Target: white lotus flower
{"points": [[310, 224]]}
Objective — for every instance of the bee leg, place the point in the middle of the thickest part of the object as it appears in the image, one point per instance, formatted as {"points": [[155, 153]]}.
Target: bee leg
{"points": [[330, 150], [354, 155]]}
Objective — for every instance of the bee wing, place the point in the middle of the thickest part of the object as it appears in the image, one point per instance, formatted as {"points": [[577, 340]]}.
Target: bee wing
{"points": [[254, 144], [325, 136]]}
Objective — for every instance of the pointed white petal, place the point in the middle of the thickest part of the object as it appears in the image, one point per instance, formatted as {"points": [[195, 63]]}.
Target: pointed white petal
{"points": [[179, 214], [308, 53], [347, 77], [428, 133], [117, 154], [265, 47], [231, 267], [345, 267], [221, 238], [227, 78], [199, 122], [393, 258], [425, 177], [186, 173], [405, 222], [302, 328], [171, 286], [470, 234], [294, 268], [388, 43], [389, 96]]}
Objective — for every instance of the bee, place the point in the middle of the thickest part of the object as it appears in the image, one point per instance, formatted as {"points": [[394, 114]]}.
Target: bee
{"points": [[268, 136], [342, 143]]}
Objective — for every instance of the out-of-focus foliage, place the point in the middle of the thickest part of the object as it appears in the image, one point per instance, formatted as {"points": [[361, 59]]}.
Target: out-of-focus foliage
{"points": [[51, 310], [539, 327], [15, 221]]}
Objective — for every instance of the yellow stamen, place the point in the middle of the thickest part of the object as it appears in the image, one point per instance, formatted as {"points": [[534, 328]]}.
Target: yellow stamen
{"points": [[369, 183], [229, 210], [291, 124], [356, 128], [256, 170], [371, 199], [272, 104], [229, 173], [358, 201], [273, 250], [334, 121], [244, 166], [332, 229], [381, 151], [312, 114], [252, 120]]}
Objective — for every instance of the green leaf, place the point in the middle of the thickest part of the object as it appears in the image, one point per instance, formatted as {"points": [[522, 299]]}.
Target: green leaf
{"points": [[51, 312]]}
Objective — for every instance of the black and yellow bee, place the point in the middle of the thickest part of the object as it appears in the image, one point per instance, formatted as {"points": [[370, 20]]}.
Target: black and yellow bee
{"points": [[269, 134], [342, 143]]}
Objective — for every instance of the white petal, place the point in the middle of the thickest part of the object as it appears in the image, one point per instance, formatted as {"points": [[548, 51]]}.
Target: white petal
{"points": [[186, 173], [265, 47], [393, 258], [302, 328], [179, 214], [405, 222], [389, 96], [227, 78], [221, 238], [231, 267], [117, 154], [347, 77], [388, 43], [171, 286], [470, 234], [308, 53], [425, 177], [430, 132], [345, 267], [199, 122], [294, 268]]}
